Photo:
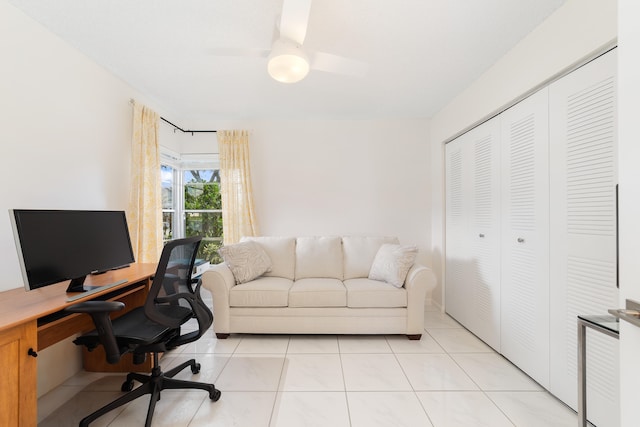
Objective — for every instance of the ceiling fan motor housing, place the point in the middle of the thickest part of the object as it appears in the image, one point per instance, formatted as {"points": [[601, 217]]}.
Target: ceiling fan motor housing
{"points": [[287, 62]]}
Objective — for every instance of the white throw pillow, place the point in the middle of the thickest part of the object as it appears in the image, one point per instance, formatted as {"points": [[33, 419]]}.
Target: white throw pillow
{"points": [[392, 263], [246, 260]]}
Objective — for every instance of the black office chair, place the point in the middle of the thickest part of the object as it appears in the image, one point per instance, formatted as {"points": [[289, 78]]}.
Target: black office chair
{"points": [[153, 328]]}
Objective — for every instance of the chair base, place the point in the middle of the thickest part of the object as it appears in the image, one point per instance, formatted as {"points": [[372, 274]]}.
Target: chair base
{"points": [[153, 384]]}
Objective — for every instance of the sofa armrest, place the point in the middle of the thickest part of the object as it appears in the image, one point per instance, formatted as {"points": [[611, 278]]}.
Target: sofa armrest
{"points": [[419, 281], [219, 280]]}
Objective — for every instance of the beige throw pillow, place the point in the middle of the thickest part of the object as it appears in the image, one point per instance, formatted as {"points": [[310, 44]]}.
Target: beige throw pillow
{"points": [[246, 260], [392, 263]]}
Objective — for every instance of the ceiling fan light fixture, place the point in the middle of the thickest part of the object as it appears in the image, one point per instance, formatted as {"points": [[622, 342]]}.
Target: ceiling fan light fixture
{"points": [[287, 62]]}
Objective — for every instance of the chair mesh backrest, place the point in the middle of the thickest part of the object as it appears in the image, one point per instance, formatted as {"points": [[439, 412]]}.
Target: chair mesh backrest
{"points": [[173, 276]]}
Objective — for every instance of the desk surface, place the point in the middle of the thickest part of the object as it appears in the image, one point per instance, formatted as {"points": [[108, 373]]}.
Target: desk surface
{"points": [[19, 306]]}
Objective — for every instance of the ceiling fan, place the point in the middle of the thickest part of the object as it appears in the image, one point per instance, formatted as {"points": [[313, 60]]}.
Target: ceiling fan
{"points": [[287, 60]]}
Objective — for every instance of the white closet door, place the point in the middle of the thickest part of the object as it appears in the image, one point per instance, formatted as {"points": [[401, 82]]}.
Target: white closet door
{"points": [[525, 235], [473, 232], [484, 232], [456, 231], [583, 232]]}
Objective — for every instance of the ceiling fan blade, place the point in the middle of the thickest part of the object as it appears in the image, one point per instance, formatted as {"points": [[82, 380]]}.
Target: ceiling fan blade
{"points": [[240, 51], [338, 64], [294, 20]]}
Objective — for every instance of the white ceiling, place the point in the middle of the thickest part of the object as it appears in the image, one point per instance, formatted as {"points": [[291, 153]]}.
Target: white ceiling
{"points": [[420, 53]]}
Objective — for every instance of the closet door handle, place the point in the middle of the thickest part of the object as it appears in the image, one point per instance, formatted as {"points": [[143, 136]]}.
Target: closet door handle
{"points": [[520, 240]]}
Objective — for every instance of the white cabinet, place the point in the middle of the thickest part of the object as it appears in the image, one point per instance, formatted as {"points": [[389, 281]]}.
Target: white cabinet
{"points": [[583, 232], [525, 235], [473, 231]]}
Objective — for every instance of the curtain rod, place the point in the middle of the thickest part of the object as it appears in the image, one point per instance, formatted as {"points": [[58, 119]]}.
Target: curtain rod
{"points": [[188, 130]]}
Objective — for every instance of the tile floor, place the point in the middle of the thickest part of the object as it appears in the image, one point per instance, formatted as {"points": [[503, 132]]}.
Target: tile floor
{"points": [[447, 379]]}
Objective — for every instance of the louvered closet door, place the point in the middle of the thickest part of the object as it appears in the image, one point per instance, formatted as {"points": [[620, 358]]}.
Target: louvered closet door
{"points": [[472, 231], [583, 232], [484, 232], [456, 277], [525, 235]]}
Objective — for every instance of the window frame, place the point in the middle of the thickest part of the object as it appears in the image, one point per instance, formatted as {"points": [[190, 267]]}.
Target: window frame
{"points": [[179, 164]]}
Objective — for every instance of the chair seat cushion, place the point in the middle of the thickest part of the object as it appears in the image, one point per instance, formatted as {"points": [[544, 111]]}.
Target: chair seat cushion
{"points": [[134, 327], [262, 292], [318, 292], [373, 293]]}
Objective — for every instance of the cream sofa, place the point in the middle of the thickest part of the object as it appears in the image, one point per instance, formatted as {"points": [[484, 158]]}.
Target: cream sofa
{"points": [[319, 285]]}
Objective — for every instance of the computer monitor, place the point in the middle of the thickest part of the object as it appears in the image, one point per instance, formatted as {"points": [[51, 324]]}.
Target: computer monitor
{"points": [[58, 245]]}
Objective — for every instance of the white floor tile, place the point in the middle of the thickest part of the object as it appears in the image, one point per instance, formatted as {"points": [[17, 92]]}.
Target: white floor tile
{"points": [[434, 372], [263, 344], [493, 372], [426, 344], [363, 344], [373, 372], [462, 409], [210, 344], [534, 408], [79, 406], [255, 372], [439, 320], [386, 409], [312, 372], [310, 409], [236, 409], [210, 366], [313, 344], [448, 378], [459, 340], [172, 410], [56, 399]]}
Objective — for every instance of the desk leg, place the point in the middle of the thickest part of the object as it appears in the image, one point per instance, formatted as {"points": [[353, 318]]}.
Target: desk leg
{"points": [[582, 375]]}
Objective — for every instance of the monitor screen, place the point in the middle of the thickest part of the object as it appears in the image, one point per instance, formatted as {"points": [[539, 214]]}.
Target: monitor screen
{"points": [[58, 245]]}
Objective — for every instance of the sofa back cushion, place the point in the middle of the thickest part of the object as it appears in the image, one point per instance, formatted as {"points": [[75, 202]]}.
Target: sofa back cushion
{"points": [[318, 257], [359, 253], [281, 251]]}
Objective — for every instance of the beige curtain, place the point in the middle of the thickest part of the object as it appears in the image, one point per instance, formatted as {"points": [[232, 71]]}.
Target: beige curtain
{"points": [[145, 202], [238, 216]]}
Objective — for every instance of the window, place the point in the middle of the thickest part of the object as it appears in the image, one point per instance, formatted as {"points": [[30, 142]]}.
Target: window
{"points": [[191, 206]]}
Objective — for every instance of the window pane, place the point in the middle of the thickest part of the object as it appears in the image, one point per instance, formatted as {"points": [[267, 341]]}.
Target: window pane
{"points": [[209, 251], [205, 224], [209, 226], [166, 176], [202, 189], [167, 226]]}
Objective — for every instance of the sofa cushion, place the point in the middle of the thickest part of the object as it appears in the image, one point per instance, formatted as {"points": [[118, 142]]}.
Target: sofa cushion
{"points": [[281, 251], [369, 293], [262, 292], [318, 257], [359, 252], [318, 292], [246, 260], [392, 263]]}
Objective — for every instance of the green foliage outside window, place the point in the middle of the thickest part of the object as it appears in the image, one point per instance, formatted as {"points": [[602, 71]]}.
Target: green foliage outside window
{"points": [[202, 193]]}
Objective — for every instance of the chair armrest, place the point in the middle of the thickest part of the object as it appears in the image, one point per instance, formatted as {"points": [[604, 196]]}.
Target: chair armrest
{"points": [[99, 312], [419, 281], [200, 311], [219, 280]]}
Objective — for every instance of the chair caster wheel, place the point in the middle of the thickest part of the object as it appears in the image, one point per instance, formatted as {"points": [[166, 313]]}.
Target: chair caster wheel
{"points": [[127, 386], [215, 395], [195, 368]]}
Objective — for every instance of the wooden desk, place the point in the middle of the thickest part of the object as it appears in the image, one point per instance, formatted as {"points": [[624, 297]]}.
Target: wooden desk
{"points": [[31, 321]]}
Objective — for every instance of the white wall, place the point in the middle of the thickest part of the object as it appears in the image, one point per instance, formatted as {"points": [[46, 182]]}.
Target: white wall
{"points": [[629, 204], [575, 31], [65, 132], [335, 177]]}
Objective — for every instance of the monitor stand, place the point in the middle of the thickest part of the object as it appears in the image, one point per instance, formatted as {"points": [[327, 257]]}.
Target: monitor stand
{"points": [[76, 285]]}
